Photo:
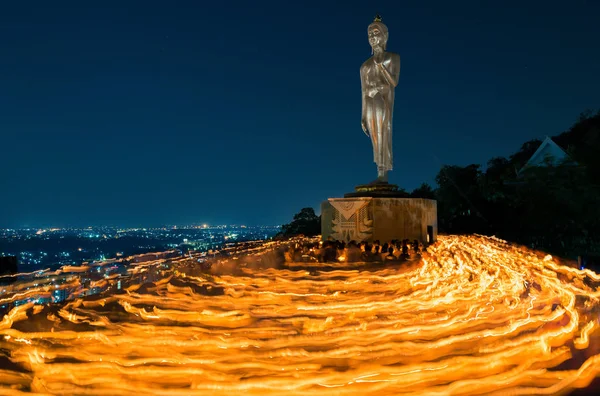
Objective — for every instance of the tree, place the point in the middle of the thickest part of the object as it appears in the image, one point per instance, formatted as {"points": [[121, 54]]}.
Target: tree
{"points": [[305, 222], [520, 158], [460, 201], [582, 142], [556, 209], [423, 191], [551, 207], [495, 186]]}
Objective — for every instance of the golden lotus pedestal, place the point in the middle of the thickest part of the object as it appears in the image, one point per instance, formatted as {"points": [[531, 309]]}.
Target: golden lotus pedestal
{"points": [[377, 189]]}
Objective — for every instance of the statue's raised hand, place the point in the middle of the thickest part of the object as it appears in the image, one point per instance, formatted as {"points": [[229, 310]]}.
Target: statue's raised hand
{"points": [[363, 124]]}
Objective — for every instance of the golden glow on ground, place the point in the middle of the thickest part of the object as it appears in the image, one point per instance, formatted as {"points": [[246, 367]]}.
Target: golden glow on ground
{"points": [[477, 316]]}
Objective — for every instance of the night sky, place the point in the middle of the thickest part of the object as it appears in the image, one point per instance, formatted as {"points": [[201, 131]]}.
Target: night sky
{"points": [[158, 112]]}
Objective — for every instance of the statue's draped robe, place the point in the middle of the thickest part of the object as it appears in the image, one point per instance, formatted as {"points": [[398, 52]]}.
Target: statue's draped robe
{"points": [[378, 106]]}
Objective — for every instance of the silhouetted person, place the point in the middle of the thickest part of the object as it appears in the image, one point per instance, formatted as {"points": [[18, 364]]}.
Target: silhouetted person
{"points": [[352, 252], [329, 252], [404, 249], [389, 256], [415, 246]]}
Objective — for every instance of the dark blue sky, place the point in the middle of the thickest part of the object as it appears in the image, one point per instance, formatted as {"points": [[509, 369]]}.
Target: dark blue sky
{"points": [[157, 112]]}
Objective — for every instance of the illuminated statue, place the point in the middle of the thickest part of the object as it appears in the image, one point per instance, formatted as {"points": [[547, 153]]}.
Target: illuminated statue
{"points": [[379, 76]]}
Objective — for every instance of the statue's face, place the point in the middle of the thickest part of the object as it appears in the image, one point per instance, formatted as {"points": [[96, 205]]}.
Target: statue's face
{"points": [[376, 37]]}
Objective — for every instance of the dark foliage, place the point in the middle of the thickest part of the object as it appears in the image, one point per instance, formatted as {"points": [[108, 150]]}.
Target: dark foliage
{"points": [[423, 191], [554, 208], [305, 222]]}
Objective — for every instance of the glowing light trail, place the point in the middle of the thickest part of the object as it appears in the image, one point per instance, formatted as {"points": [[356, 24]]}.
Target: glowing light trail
{"points": [[476, 316]]}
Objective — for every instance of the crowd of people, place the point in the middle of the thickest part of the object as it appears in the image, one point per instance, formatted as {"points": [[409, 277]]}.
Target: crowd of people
{"points": [[338, 251]]}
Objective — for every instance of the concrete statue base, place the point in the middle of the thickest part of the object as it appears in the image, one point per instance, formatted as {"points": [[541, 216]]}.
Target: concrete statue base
{"points": [[373, 218]]}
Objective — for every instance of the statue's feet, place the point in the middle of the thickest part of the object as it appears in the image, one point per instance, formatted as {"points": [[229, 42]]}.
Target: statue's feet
{"points": [[378, 181], [382, 177]]}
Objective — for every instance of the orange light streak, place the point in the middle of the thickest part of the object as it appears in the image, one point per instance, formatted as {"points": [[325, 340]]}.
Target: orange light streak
{"points": [[476, 316]]}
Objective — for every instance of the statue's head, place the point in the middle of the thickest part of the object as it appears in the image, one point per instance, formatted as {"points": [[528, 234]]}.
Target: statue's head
{"points": [[378, 33]]}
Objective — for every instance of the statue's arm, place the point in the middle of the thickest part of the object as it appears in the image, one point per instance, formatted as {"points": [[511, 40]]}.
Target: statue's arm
{"points": [[363, 118], [393, 75]]}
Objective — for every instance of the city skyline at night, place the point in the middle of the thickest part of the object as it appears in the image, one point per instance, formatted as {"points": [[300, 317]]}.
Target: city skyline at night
{"points": [[37, 248]]}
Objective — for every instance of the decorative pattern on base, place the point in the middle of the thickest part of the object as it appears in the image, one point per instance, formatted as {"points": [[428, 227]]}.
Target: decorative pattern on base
{"points": [[352, 220]]}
